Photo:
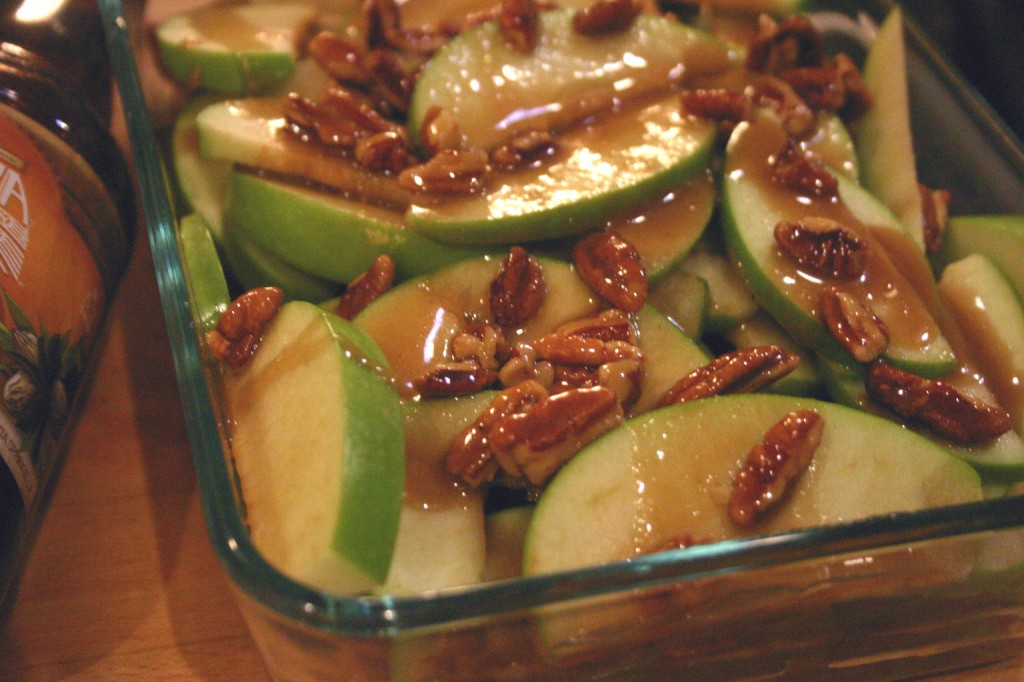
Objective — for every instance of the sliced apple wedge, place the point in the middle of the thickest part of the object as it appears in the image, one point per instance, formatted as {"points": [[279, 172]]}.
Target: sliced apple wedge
{"points": [[667, 229], [441, 541], [884, 139], [669, 355], [234, 49], [683, 298], [991, 317], [762, 330], [326, 234], [493, 89], [250, 132], [620, 496], [202, 183], [729, 300], [203, 271], [754, 203], [616, 163], [253, 266], [999, 237], [317, 443]]}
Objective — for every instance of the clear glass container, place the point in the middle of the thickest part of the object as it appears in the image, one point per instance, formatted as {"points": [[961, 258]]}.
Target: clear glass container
{"points": [[895, 597]]}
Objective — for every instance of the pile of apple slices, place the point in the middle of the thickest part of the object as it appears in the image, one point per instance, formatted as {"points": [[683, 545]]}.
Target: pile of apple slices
{"points": [[344, 453]]}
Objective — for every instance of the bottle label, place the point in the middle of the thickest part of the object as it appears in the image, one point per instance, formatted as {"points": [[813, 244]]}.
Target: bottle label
{"points": [[51, 299]]}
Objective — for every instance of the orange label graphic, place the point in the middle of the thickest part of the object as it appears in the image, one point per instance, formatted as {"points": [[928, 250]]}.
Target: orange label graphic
{"points": [[51, 296]]}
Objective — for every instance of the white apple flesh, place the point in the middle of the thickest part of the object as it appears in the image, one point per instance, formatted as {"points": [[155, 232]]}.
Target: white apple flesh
{"points": [[317, 444]]}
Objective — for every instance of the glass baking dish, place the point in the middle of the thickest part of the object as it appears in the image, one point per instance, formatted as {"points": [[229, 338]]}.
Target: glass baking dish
{"points": [[900, 596]]}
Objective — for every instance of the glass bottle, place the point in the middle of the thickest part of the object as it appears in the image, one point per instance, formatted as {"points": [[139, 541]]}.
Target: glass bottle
{"points": [[66, 224]]}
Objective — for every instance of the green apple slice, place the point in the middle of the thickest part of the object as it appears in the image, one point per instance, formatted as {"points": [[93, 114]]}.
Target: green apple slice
{"points": [[729, 301], [493, 89], [251, 132], [682, 298], [991, 317], [441, 541], [317, 443], [762, 330], [666, 229], [234, 49], [201, 182], [999, 462], [326, 234], [669, 354], [621, 496], [753, 203], [203, 271], [253, 266], [834, 146], [616, 163], [884, 139], [999, 237]]}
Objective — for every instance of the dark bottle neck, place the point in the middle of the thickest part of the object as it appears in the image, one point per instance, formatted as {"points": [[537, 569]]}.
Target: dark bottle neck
{"points": [[67, 44]]}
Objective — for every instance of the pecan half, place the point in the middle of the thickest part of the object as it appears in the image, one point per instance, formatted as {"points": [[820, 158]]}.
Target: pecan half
{"points": [[365, 288], [793, 42], [387, 151], [727, 107], [390, 81], [535, 443], [605, 17], [796, 169], [470, 458], [518, 289], [607, 325], [448, 379], [341, 58], [595, 351], [935, 213], [383, 22], [823, 246], [854, 325], [742, 371], [613, 268], [452, 171], [519, 21], [524, 149], [821, 87], [240, 329], [339, 118], [773, 464], [936, 404]]}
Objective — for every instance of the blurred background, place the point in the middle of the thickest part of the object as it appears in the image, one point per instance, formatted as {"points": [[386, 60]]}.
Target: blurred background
{"points": [[985, 40]]}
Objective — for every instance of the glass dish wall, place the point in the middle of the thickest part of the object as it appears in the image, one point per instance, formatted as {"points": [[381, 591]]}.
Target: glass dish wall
{"points": [[888, 598]]}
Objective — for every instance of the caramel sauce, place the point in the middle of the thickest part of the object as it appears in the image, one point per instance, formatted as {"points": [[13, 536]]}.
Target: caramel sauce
{"points": [[882, 285], [236, 33], [428, 485]]}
